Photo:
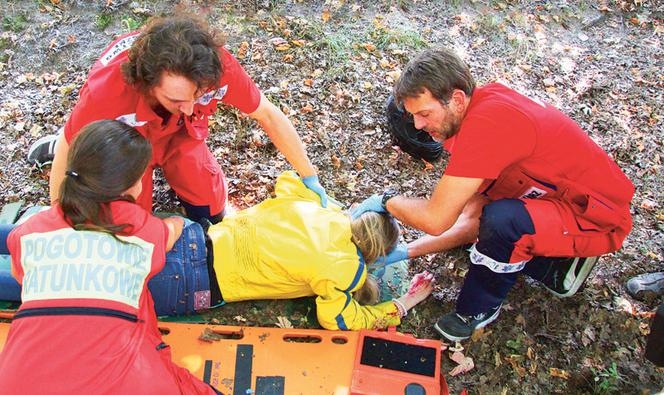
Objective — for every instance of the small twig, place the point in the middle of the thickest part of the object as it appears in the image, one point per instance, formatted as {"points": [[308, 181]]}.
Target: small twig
{"points": [[550, 337]]}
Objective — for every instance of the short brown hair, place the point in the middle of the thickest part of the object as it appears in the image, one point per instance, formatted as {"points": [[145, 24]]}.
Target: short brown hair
{"points": [[439, 70], [181, 45]]}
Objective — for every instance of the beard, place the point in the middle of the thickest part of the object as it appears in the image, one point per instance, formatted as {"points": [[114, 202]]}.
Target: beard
{"points": [[450, 126]]}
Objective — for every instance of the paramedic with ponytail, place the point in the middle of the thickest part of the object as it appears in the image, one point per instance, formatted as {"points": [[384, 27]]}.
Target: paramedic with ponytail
{"points": [[87, 322]]}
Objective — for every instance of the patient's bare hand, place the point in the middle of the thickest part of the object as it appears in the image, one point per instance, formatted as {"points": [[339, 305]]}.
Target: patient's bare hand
{"points": [[421, 287]]}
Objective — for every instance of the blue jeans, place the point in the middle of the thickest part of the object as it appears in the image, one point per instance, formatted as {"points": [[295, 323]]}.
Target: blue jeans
{"points": [[9, 287], [183, 285]]}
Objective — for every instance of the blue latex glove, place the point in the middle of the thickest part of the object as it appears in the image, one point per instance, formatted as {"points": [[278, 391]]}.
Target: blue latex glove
{"points": [[313, 184], [372, 203], [398, 253]]}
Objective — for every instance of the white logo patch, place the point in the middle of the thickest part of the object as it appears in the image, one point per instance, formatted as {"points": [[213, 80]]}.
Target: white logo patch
{"points": [[495, 266], [130, 119], [69, 264], [117, 49], [221, 92], [533, 193], [206, 98], [214, 94]]}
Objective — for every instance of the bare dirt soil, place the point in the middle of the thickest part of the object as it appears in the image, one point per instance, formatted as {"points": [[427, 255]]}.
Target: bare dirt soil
{"points": [[330, 67]]}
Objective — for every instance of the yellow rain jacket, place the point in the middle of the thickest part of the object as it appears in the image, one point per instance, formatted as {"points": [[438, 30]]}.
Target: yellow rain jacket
{"points": [[289, 247]]}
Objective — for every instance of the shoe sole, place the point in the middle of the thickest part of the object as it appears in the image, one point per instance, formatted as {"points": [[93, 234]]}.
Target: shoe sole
{"points": [[575, 280], [54, 138], [460, 338]]}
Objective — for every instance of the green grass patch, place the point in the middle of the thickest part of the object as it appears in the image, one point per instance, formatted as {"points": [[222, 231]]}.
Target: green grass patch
{"points": [[607, 380], [131, 23], [15, 23], [382, 38], [103, 21]]}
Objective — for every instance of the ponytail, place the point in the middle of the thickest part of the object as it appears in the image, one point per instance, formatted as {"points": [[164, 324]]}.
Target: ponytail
{"points": [[105, 159]]}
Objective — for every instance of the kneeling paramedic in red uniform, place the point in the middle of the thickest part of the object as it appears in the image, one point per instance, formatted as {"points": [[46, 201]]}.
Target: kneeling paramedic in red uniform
{"points": [[524, 183], [165, 81]]}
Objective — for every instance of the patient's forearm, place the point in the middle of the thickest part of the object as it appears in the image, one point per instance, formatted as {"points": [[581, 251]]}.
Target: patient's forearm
{"points": [[463, 232]]}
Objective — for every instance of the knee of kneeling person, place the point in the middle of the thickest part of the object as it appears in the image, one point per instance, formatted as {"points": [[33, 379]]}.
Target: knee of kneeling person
{"points": [[506, 217]]}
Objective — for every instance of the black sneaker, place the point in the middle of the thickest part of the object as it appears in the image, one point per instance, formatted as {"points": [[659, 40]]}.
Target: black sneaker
{"points": [[457, 327], [646, 283], [42, 151], [566, 276]]}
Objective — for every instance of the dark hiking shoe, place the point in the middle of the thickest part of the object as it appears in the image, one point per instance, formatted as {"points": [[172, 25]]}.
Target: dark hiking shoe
{"points": [[42, 151], [457, 327], [646, 283], [566, 276]]}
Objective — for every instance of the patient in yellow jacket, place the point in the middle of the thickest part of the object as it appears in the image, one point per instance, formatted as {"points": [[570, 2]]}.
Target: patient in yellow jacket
{"points": [[287, 247]]}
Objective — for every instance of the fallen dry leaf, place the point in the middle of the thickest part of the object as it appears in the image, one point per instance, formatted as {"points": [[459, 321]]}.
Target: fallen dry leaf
{"points": [[325, 16], [242, 51], [369, 47], [427, 166], [466, 364], [648, 204], [336, 162], [555, 372]]}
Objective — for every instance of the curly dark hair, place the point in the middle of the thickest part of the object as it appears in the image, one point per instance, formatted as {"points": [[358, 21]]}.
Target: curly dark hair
{"points": [[181, 45]]}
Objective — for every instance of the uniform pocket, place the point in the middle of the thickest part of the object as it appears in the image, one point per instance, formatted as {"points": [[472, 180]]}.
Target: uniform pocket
{"points": [[598, 215], [513, 183]]}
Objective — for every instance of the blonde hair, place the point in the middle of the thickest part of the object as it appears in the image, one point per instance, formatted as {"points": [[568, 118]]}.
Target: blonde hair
{"points": [[374, 234]]}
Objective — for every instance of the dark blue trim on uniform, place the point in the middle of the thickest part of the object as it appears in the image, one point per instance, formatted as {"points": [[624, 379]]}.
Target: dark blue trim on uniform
{"points": [[358, 275], [546, 184], [502, 224], [96, 311], [196, 213], [341, 323]]}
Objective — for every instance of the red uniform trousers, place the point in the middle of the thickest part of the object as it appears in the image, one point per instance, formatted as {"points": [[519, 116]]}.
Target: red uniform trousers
{"points": [[517, 234], [191, 170]]}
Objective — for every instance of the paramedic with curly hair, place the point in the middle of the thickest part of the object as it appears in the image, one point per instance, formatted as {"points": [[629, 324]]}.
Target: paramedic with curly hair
{"points": [[166, 80]]}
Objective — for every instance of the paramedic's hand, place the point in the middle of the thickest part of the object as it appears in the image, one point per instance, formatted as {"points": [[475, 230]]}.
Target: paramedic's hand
{"points": [[421, 286], [313, 184], [372, 203], [398, 253]]}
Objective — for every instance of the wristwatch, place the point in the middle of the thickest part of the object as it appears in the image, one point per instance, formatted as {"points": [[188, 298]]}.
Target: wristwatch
{"points": [[387, 195]]}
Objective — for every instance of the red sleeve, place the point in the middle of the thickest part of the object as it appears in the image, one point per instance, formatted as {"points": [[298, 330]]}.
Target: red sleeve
{"points": [[159, 258], [104, 95], [240, 90], [491, 138], [80, 116], [14, 246]]}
